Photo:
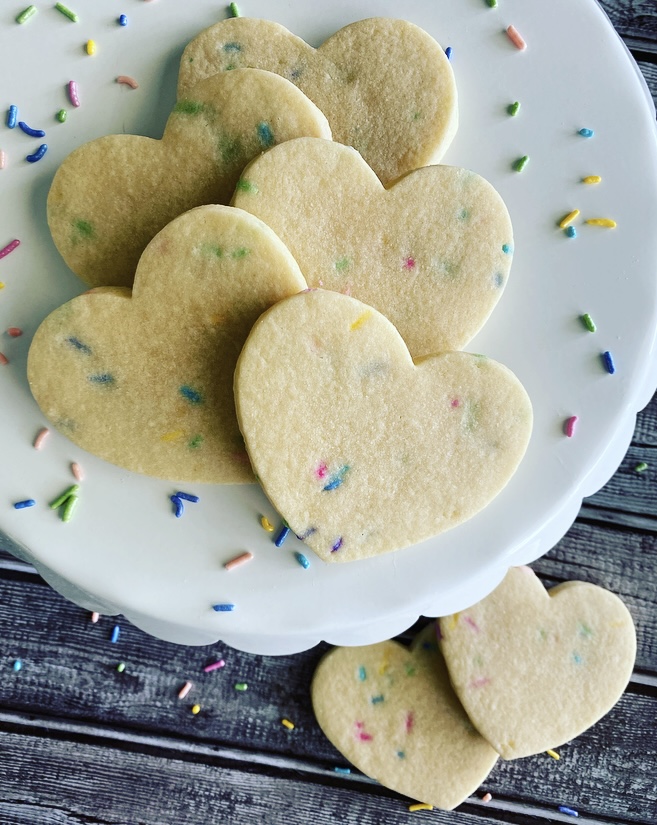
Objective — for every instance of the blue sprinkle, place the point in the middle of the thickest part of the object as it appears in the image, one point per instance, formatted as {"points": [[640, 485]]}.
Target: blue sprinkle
{"points": [[31, 132], [75, 342], [336, 479], [188, 497], [102, 378], [608, 362], [376, 700], [223, 608], [507, 249], [499, 279], [577, 659], [232, 47], [338, 544], [266, 135], [342, 770], [401, 754], [180, 507], [123, 20], [17, 665], [12, 116], [564, 809], [283, 534], [587, 133], [303, 561], [308, 533], [570, 232], [40, 152], [191, 395], [362, 673], [21, 505], [116, 632], [448, 52]]}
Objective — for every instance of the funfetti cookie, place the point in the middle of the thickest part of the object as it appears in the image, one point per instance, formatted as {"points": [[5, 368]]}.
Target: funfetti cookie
{"points": [[385, 85], [112, 195], [145, 380], [535, 668], [432, 253], [393, 714], [360, 449]]}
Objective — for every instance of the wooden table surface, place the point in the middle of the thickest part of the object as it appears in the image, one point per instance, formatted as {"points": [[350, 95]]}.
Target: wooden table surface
{"points": [[81, 742]]}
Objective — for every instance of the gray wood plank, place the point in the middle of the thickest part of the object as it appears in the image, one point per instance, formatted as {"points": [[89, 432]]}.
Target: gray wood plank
{"points": [[634, 20]]}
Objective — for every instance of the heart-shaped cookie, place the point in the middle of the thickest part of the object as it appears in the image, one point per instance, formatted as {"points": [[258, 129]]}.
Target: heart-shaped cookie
{"points": [[535, 668], [146, 381], [432, 253], [385, 85], [393, 714], [360, 449], [112, 195]]}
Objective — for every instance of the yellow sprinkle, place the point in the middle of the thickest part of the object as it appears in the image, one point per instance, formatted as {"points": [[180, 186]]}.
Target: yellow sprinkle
{"points": [[361, 320], [385, 662], [592, 179], [453, 621], [91, 47], [173, 436], [570, 217], [196, 709], [267, 525], [287, 724], [420, 806], [553, 754], [602, 222], [2, 286]]}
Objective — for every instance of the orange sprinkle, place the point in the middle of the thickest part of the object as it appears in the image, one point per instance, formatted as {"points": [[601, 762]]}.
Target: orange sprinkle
{"points": [[184, 690], [487, 797], [238, 560], [126, 80], [516, 38]]}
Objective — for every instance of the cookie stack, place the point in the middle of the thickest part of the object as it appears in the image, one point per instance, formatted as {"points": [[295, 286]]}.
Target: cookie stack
{"points": [[201, 354]]}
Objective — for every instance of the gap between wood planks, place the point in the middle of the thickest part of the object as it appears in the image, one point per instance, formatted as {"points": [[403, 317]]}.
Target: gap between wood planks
{"points": [[170, 747]]}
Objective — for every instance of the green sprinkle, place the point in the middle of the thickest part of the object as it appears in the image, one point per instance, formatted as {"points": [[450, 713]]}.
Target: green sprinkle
{"points": [[410, 670], [641, 467], [72, 16], [25, 15], [242, 252], [513, 108], [520, 164], [464, 214], [61, 115], [247, 186], [588, 322], [417, 115], [241, 686], [212, 250], [62, 498], [85, 229], [342, 263], [230, 149], [195, 442], [69, 507], [233, 10], [492, 4], [189, 107], [121, 667], [375, 700]]}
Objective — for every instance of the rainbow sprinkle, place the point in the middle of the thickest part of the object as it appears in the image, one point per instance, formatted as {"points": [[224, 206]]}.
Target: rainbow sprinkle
{"points": [[238, 560], [73, 94], [486, 798], [41, 437], [196, 709], [69, 491], [178, 505], [90, 47], [568, 219], [564, 809], [287, 724], [641, 467], [188, 497], [36, 156], [266, 524], [241, 686], [69, 507], [61, 115], [553, 754], [592, 179], [126, 80], [570, 232], [519, 165], [282, 535], [420, 806], [607, 222], [120, 667], [214, 666], [344, 771], [233, 10], [303, 561], [116, 632], [513, 108], [184, 690], [17, 665], [123, 20]]}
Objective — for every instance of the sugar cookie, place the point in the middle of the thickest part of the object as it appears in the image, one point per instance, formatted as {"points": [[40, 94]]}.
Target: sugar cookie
{"points": [[360, 449], [146, 381], [112, 195], [432, 253], [535, 668], [385, 85], [393, 714]]}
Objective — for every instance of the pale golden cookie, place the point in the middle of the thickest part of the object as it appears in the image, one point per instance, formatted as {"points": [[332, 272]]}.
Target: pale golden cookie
{"points": [[385, 85], [146, 381], [393, 714], [535, 668], [112, 195], [432, 253], [360, 449]]}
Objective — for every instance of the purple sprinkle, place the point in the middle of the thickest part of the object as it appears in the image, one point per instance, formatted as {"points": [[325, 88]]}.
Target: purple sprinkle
{"points": [[283, 534], [187, 497], [21, 505], [116, 632], [338, 544], [180, 507]]}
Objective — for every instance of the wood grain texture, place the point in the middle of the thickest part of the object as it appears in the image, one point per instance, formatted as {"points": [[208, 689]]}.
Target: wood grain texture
{"points": [[634, 20]]}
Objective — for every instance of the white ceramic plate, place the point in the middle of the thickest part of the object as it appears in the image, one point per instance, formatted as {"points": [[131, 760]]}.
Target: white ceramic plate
{"points": [[124, 551]]}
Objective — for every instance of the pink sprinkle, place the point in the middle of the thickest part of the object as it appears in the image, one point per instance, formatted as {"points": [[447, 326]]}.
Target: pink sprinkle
{"points": [[3, 159], [184, 690], [477, 683], [238, 560], [455, 402], [126, 80], [409, 722], [9, 248], [569, 426], [41, 436], [15, 332], [409, 263], [322, 470], [516, 38], [364, 737], [487, 797], [78, 472], [214, 666], [3, 359], [73, 93], [471, 622], [94, 617]]}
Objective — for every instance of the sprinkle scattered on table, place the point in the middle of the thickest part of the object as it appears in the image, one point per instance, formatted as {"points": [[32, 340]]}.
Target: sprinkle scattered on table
{"points": [[9, 248], [303, 561], [73, 93], [225, 607], [564, 809], [233, 10], [287, 724], [553, 754], [40, 438], [14, 332], [641, 467], [185, 689], [214, 666], [420, 806], [23, 505], [126, 80], [90, 47], [282, 535], [570, 232], [486, 798], [568, 219], [242, 687], [592, 179], [606, 222], [61, 115], [116, 632]]}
